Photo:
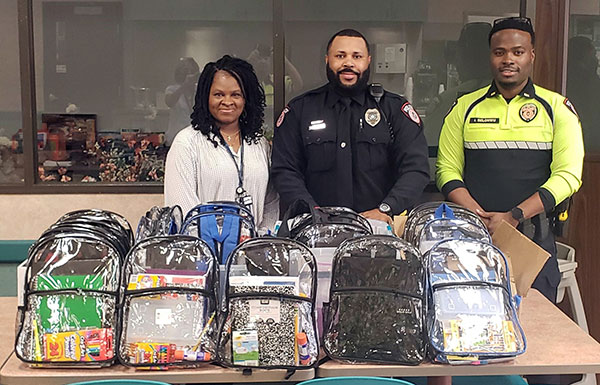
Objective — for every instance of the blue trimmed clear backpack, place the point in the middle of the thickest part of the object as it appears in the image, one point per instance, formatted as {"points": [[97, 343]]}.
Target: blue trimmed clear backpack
{"points": [[222, 225]]}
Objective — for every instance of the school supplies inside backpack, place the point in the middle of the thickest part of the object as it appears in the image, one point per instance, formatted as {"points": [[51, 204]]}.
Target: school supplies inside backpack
{"points": [[377, 302], [169, 302], [222, 225], [71, 291], [269, 320], [472, 315]]}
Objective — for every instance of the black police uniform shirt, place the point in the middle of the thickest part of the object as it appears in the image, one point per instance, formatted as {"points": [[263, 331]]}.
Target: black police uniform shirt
{"points": [[330, 153]]}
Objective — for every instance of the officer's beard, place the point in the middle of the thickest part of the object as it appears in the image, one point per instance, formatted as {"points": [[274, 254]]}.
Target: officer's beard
{"points": [[351, 90]]}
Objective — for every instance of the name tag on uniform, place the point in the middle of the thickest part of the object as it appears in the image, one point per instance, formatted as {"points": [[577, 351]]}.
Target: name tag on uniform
{"points": [[484, 120], [317, 125]]}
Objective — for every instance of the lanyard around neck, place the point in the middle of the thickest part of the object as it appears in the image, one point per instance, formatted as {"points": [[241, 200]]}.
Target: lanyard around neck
{"points": [[240, 169]]}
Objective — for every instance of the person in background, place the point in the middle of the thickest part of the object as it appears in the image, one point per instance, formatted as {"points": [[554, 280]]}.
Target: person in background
{"points": [[261, 59], [348, 144], [223, 154], [473, 72], [179, 97], [513, 151]]}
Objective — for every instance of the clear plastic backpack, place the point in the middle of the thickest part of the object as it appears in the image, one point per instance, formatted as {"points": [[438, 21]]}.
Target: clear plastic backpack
{"points": [[322, 226], [377, 302], [169, 302], [159, 221], [222, 225], [269, 320], [472, 314], [72, 278], [425, 212], [445, 225], [322, 229]]}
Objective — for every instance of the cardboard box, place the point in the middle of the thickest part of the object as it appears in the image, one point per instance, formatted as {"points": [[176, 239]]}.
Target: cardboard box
{"points": [[525, 257]]}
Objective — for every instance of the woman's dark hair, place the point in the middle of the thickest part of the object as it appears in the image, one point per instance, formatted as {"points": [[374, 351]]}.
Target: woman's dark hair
{"points": [[252, 117]]}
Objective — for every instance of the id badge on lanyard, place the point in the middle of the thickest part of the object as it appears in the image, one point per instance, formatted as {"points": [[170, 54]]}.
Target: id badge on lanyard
{"points": [[241, 195]]}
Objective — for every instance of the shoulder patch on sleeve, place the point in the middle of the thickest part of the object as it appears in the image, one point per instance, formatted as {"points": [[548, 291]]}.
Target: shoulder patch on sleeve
{"points": [[410, 113], [570, 106], [282, 116]]}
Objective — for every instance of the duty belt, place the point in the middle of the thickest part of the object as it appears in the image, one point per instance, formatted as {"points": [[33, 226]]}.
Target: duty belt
{"points": [[536, 227]]}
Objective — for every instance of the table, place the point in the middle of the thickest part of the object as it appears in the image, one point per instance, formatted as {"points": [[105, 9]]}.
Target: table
{"points": [[555, 345], [8, 312], [16, 372]]}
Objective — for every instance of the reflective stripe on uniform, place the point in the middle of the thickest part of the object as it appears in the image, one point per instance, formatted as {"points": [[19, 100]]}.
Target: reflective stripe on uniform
{"points": [[508, 145]]}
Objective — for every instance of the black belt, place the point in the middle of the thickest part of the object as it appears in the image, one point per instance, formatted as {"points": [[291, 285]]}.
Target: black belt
{"points": [[536, 227]]}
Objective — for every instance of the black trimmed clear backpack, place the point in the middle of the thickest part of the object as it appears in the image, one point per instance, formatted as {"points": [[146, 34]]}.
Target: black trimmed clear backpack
{"points": [[377, 302], [269, 320], [70, 313], [169, 303]]}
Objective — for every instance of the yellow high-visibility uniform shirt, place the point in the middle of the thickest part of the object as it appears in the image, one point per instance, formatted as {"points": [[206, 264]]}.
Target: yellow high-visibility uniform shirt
{"points": [[503, 152]]}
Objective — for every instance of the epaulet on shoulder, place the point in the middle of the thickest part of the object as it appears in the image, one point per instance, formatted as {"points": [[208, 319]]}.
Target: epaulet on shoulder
{"points": [[386, 93], [308, 93], [392, 95], [548, 95]]}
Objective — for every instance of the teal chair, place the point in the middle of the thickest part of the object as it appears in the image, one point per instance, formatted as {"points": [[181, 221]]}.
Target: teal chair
{"points": [[120, 382], [476, 380], [355, 381]]}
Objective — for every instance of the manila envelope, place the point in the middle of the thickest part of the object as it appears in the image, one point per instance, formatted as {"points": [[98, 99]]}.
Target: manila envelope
{"points": [[526, 258], [399, 223]]}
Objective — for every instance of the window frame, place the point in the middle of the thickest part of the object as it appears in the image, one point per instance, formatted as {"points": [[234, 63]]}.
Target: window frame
{"points": [[553, 78]]}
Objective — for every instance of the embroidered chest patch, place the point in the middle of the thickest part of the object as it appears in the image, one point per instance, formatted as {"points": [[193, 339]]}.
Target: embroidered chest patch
{"points": [[372, 116], [528, 112]]}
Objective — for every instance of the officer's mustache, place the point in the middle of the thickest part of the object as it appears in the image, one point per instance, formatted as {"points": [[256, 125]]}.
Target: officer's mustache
{"points": [[348, 70]]}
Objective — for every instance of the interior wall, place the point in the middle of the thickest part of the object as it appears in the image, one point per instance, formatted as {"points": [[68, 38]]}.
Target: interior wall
{"points": [[585, 7], [27, 216]]}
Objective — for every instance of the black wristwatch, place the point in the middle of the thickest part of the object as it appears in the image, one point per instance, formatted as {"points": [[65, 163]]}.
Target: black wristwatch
{"points": [[517, 214], [385, 208]]}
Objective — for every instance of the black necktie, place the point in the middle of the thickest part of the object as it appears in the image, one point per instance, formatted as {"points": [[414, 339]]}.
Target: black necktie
{"points": [[344, 153]]}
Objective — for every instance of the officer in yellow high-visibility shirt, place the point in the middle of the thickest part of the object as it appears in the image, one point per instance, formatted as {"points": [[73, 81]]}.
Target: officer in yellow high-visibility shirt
{"points": [[513, 150]]}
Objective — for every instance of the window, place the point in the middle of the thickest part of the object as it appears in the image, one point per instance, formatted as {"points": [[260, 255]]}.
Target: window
{"points": [[11, 130], [583, 74], [105, 70], [430, 52]]}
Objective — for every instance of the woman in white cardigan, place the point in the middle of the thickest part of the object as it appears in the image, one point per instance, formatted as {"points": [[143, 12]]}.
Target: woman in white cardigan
{"points": [[223, 154]]}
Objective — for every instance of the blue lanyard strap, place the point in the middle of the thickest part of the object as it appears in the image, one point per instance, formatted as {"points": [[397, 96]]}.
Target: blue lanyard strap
{"points": [[240, 169]]}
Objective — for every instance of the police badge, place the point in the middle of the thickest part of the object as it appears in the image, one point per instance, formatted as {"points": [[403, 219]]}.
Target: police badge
{"points": [[528, 112], [372, 116]]}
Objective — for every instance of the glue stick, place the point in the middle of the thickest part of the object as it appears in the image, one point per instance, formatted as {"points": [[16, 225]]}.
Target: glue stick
{"points": [[191, 355], [303, 348]]}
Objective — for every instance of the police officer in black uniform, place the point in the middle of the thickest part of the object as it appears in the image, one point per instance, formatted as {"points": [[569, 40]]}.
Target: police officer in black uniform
{"points": [[350, 144]]}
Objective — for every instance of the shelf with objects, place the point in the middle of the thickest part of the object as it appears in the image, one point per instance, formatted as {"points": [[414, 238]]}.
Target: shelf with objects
{"points": [[71, 149]]}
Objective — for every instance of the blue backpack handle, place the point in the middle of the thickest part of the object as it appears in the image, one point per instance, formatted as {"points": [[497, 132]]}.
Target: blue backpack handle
{"points": [[444, 211]]}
